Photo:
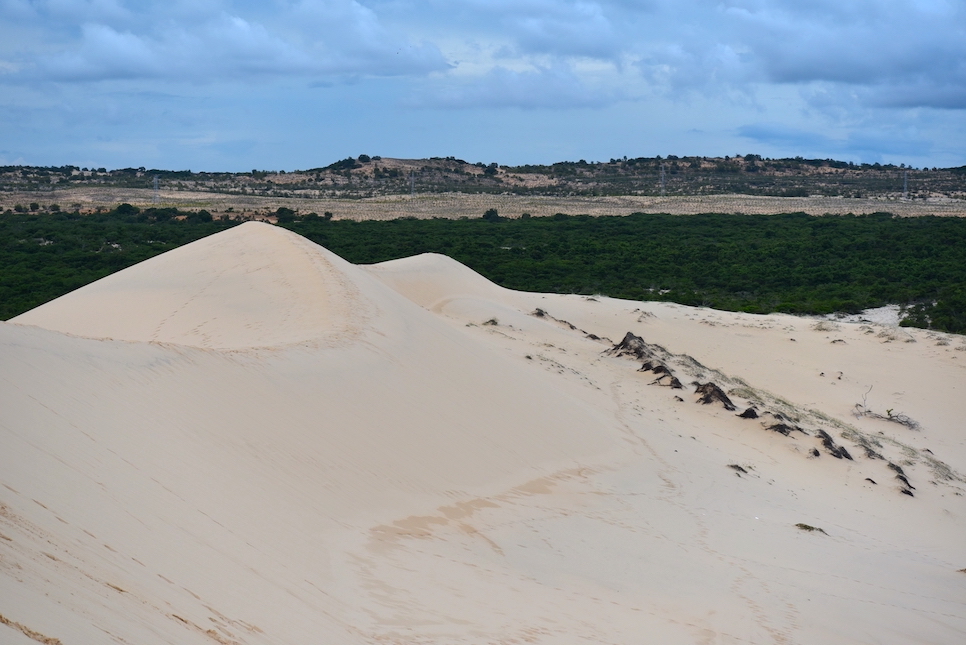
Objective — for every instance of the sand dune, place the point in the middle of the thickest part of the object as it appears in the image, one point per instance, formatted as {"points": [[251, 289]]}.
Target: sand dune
{"points": [[249, 440], [253, 286]]}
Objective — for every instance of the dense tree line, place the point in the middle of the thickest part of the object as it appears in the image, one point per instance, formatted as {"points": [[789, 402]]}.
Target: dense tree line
{"points": [[791, 263], [47, 255]]}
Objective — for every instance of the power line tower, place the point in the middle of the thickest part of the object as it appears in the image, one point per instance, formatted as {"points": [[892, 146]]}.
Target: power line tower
{"points": [[663, 182], [157, 193]]}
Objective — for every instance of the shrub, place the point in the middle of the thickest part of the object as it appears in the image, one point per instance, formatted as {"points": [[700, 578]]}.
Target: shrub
{"points": [[285, 215]]}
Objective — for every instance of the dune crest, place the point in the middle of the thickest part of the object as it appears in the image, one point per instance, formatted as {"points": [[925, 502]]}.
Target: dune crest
{"points": [[255, 285], [431, 279]]}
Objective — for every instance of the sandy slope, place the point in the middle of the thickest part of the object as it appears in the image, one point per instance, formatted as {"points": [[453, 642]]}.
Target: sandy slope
{"points": [[248, 440]]}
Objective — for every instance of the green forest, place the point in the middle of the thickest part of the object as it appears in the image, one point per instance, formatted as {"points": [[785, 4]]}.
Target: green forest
{"points": [[793, 263]]}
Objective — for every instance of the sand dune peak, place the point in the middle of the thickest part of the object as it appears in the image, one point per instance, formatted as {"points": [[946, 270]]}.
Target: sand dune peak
{"points": [[255, 285]]}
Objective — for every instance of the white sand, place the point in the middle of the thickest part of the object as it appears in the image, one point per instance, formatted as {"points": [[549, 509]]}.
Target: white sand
{"points": [[248, 440], [889, 316]]}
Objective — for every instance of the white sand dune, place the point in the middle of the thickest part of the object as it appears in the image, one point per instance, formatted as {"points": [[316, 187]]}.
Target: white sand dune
{"points": [[249, 440], [255, 286]]}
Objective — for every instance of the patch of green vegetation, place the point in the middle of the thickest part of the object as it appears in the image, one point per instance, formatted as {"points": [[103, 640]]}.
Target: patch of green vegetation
{"points": [[791, 263], [47, 255], [806, 527]]}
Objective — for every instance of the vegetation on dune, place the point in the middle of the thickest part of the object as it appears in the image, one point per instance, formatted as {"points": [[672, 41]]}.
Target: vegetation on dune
{"points": [[776, 263]]}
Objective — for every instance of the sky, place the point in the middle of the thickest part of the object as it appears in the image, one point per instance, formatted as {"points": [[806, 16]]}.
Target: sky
{"points": [[222, 85]]}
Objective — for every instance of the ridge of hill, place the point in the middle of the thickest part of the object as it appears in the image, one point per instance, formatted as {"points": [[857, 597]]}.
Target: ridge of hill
{"points": [[366, 177]]}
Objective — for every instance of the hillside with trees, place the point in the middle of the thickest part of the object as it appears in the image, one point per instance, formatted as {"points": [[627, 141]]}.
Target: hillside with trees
{"points": [[370, 176]]}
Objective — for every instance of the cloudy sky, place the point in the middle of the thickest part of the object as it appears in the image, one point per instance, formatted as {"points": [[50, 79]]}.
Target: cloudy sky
{"points": [[283, 85]]}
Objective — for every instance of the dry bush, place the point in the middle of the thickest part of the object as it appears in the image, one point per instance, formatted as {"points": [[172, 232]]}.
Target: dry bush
{"points": [[826, 325]]}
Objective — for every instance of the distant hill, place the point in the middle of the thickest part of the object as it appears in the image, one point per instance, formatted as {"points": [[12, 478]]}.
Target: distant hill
{"points": [[367, 176]]}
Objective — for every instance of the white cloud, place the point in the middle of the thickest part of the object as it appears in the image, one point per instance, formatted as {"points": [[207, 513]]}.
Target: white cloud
{"points": [[312, 38], [897, 52], [555, 87], [801, 66], [569, 29], [883, 44], [103, 53]]}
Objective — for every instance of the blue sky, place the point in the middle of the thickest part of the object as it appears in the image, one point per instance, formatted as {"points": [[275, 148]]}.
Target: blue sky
{"points": [[284, 85]]}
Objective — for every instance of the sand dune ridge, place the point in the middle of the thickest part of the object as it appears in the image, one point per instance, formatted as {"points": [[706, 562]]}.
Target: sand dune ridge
{"points": [[254, 285], [250, 441]]}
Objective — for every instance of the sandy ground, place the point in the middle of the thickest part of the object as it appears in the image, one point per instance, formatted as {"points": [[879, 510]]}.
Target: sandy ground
{"points": [[456, 205], [248, 440], [889, 316]]}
